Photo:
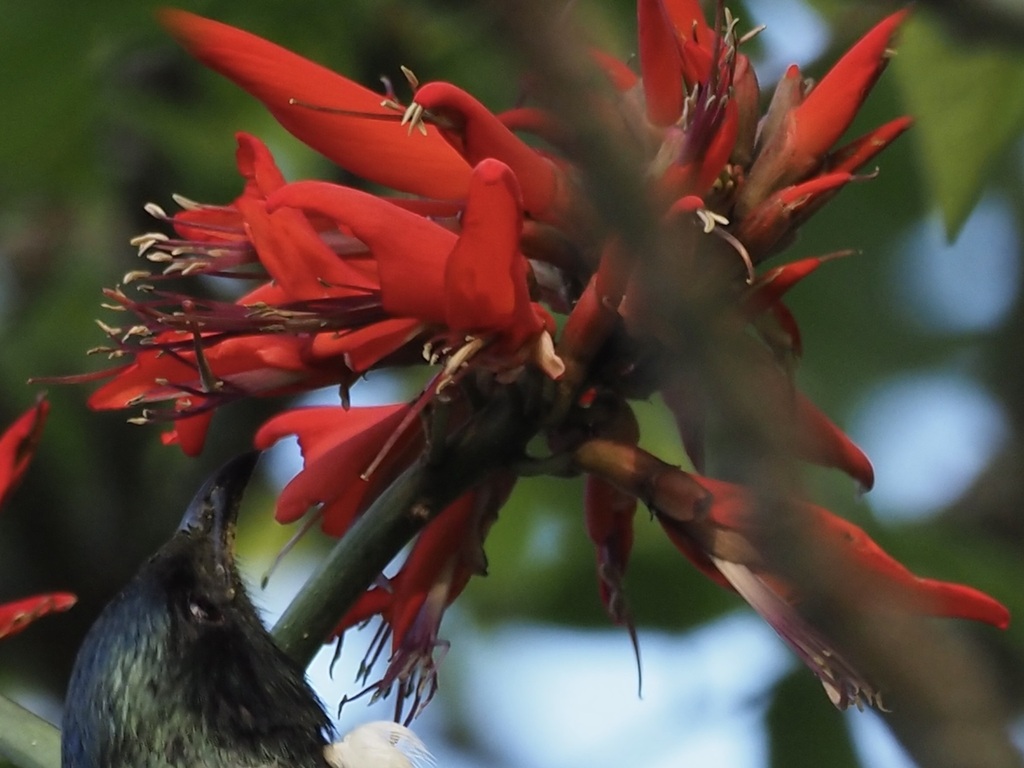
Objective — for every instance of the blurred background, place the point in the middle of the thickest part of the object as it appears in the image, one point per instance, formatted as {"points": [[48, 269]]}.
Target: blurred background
{"points": [[913, 346]]}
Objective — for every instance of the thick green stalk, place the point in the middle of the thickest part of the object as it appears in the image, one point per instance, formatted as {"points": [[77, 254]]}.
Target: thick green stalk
{"points": [[496, 436], [372, 541], [27, 740]]}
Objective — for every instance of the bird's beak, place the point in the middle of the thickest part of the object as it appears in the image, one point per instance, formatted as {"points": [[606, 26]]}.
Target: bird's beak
{"points": [[214, 510]]}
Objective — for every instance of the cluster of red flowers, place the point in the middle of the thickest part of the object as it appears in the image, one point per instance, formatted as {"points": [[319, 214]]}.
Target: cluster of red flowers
{"points": [[465, 270]]}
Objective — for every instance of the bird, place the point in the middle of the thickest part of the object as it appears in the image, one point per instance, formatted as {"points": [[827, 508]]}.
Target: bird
{"points": [[178, 670]]}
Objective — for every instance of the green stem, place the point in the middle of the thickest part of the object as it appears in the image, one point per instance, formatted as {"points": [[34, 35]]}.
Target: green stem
{"points": [[368, 546], [27, 740], [495, 437]]}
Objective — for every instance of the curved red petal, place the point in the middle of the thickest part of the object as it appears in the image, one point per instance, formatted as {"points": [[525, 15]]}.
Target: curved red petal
{"points": [[14, 617], [362, 348], [772, 285], [619, 74], [337, 446], [687, 17], [410, 250], [480, 290], [829, 108], [478, 134], [820, 441], [963, 602], [609, 514], [140, 382], [18, 443], [878, 574], [859, 152], [301, 95], [879, 570], [189, 433], [661, 67]]}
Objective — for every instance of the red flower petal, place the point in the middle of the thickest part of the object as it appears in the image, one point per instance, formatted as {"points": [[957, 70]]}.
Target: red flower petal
{"points": [[772, 285], [829, 108], [447, 553], [609, 515], [485, 275], [661, 67], [254, 365], [17, 445], [288, 245], [410, 250], [879, 574], [478, 135], [820, 441], [769, 226], [379, 150], [362, 348], [861, 151], [687, 17], [14, 617], [619, 74], [338, 447], [189, 433]]}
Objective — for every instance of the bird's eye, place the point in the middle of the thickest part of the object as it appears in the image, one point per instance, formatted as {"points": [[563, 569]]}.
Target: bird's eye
{"points": [[202, 610]]}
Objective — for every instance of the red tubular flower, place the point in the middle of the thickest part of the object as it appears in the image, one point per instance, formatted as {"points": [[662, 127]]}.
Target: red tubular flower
{"points": [[661, 67], [609, 514], [291, 249], [235, 367], [324, 282], [349, 455], [16, 616], [17, 444], [445, 556], [675, 40], [609, 506], [772, 285], [861, 151], [324, 110], [771, 225], [287, 244], [813, 436], [727, 540], [479, 135], [799, 131], [473, 282], [831, 105]]}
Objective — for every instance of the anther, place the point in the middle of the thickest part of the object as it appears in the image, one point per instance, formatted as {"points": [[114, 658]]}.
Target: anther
{"points": [[155, 211]]}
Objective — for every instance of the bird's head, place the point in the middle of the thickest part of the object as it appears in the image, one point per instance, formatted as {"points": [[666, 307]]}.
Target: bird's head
{"points": [[179, 665]]}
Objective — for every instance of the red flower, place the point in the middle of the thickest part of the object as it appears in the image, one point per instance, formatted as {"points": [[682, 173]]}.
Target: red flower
{"points": [[240, 351], [17, 615], [323, 109], [470, 283], [801, 127], [346, 458], [412, 603], [725, 544], [478, 135], [17, 445], [228, 369]]}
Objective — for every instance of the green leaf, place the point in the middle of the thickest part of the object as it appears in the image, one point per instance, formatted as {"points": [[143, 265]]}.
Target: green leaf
{"points": [[969, 106]]}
